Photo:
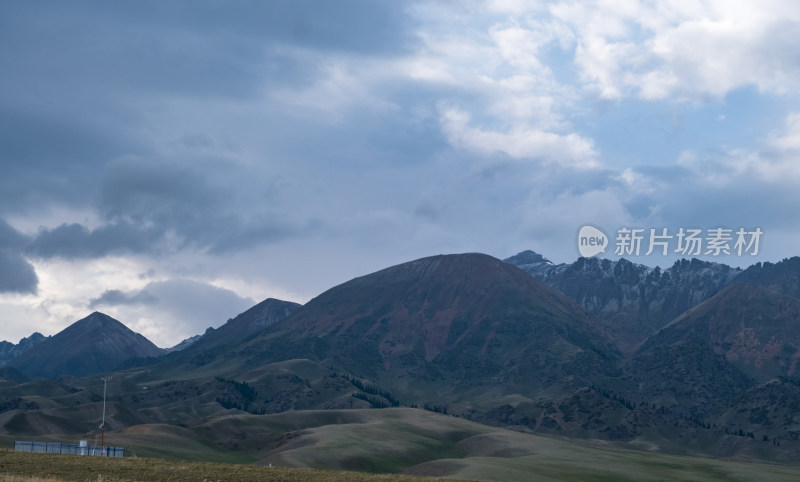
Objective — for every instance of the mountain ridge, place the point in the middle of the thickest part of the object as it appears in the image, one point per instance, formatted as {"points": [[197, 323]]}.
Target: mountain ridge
{"points": [[94, 344], [246, 324], [9, 351], [637, 300]]}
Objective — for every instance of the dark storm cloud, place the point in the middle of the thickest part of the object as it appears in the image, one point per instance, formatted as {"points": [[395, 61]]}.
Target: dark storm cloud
{"points": [[117, 297], [16, 274], [352, 25], [10, 238], [190, 47], [164, 194], [156, 207], [82, 81], [203, 208], [250, 233], [98, 50], [79, 79], [77, 241], [52, 156]]}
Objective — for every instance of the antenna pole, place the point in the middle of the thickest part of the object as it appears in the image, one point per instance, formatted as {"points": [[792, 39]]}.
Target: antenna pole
{"points": [[103, 422]]}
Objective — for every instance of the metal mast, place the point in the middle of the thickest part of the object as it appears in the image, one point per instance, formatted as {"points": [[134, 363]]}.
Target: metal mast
{"points": [[103, 422]]}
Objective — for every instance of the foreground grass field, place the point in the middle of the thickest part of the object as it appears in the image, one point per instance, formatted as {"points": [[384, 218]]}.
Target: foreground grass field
{"points": [[27, 467], [550, 466]]}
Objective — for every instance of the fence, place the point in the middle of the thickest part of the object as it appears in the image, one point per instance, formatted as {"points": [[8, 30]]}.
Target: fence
{"points": [[73, 449]]}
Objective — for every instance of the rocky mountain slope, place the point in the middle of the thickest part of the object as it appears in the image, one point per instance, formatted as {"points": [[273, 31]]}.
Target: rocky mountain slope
{"points": [[244, 325], [9, 351], [637, 299], [782, 277]]}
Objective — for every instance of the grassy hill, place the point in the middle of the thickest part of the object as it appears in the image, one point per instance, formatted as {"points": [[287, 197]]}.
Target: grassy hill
{"points": [[396, 440]]}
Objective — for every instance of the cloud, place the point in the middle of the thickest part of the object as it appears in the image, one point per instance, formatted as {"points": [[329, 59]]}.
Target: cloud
{"points": [[86, 84], [167, 197], [733, 187], [37, 142], [171, 310], [77, 241], [17, 275], [775, 164], [183, 299], [151, 207], [10, 238], [197, 47], [781, 156], [696, 51], [520, 142], [117, 297], [193, 300]]}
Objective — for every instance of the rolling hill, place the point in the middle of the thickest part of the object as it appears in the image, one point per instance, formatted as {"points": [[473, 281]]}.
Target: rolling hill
{"points": [[402, 440]]}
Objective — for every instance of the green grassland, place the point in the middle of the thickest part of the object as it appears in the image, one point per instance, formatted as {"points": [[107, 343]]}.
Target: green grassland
{"points": [[398, 440], [27, 467]]}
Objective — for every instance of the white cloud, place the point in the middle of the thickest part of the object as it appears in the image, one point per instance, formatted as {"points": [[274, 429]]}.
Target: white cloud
{"points": [[498, 71], [788, 141], [520, 46], [159, 305], [780, 161], [64, 290], [428, 69], [693, 50], [636, 182], [721, 168], [182, 308], [519, 142], [777, 163]]}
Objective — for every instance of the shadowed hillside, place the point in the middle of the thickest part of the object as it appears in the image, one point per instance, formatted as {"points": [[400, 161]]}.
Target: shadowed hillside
{"points": [[450, 324], [97, 343]]}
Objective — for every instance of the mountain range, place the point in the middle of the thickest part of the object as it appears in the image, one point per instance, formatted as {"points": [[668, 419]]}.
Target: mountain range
{"points": [[697, 358], [640, 300]]}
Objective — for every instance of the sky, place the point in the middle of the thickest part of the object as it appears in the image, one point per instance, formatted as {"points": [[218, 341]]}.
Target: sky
{"points": [[173, 163]]}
